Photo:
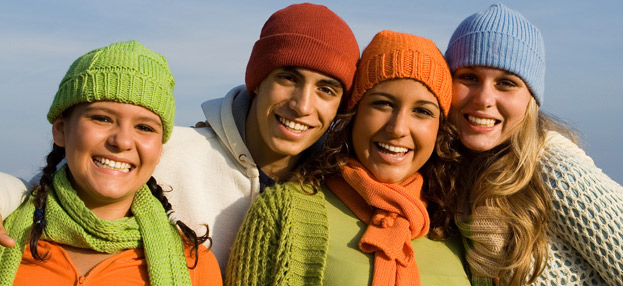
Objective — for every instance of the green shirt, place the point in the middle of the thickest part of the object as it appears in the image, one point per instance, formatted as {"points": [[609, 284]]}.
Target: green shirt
{"points": [[293, 238], [439, 262]]}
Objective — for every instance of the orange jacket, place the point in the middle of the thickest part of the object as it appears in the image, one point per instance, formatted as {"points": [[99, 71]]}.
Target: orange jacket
{"points": [[126, 268]]}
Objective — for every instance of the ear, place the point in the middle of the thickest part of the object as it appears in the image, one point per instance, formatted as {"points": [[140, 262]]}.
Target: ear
{"points": [[58, 131], [255, 89]]}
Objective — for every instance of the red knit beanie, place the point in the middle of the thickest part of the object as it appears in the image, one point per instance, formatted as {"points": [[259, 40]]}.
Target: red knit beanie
{"points": [[393, 55], [308, 36]]}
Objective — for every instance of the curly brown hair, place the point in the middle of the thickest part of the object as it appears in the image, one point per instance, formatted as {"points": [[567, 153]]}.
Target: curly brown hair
{"points": [[337, 149]]}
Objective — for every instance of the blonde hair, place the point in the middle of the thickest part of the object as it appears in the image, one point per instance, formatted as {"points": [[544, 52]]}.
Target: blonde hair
{"points": [[507, 178]]}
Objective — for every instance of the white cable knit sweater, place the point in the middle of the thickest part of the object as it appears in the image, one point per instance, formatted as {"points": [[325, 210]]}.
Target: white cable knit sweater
{"points": [[586, 223], [586, 238]]}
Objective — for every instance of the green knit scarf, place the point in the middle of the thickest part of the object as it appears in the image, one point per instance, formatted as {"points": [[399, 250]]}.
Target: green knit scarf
{"points": [[70, 222]]}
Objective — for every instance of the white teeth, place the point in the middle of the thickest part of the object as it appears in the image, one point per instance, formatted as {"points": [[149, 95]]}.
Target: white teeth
{"points": [[110, 164], [398, 151], [296, 127], [484, 122]]}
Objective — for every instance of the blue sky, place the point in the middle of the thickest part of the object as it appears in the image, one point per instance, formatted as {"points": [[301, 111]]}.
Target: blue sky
{"points": [[207, 44]]}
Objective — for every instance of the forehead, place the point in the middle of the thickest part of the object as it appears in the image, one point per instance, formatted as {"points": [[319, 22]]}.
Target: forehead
{"points": [[488, 70], [113, 107]]}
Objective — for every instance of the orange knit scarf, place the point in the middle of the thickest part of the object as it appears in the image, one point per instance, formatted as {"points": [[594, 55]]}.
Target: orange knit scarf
{"points": [[395, 214]]}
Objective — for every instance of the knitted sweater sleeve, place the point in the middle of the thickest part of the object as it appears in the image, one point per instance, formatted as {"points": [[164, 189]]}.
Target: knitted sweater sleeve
{"points": [[283, 240], [587, 206]]}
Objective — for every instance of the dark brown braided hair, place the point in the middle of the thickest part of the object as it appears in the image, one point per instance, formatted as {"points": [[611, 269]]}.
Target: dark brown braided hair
{"points": [[40, 195]]}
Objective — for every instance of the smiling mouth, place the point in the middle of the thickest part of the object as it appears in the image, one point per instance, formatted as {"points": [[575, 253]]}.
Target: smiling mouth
{"points": [[293, 126], [481, 122], [110, 164], [392, 150]]}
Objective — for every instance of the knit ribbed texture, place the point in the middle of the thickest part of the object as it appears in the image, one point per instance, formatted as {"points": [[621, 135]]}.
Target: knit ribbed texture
{"points": [[586, 223], [307, 36], [392, 55], [125, 72], [283, 240], [486, 236], [70, 222], [395, 214], [502, 38], [586, 235]]}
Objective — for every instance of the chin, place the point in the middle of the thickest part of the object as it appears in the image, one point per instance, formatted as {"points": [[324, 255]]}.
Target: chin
{"points": [[478, 144], [394, 179]]}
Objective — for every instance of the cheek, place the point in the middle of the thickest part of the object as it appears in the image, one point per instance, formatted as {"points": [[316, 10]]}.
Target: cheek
{"points": [[426, 137], [151, 151], [460, 93], [359, 136], [517, 111], [328, 109]]}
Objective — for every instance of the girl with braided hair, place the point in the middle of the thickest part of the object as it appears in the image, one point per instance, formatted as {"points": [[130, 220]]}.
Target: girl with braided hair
{"points": [[101, 218]]}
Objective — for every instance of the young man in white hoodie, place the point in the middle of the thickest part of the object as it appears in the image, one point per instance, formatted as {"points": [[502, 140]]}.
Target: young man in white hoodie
{"points": [[298, 71]]}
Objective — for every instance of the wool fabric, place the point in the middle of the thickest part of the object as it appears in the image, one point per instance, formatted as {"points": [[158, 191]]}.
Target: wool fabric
{"points": [[487, 238], [308, 36], [393, 55], [395, 214], [502, 38], [125, 72], [70, 222]]}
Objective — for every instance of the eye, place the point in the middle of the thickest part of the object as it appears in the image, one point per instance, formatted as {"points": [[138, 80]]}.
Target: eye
{"points": [[145, 128], [287, 77], [100, 118], [506, 83], [423, 111], [327, 90], [382, 104], [466, 77]]}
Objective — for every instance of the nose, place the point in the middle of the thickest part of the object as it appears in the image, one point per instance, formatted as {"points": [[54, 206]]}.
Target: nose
{"points": [[302, 101], [484, 95], [398, 124], [121, 138]]}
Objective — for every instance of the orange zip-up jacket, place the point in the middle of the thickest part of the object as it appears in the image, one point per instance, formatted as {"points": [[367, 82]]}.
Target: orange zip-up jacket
{"points": [[129, 267]]}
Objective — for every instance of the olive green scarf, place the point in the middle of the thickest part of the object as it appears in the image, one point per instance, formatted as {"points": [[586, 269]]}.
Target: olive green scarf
{"points": [[70, 222]]}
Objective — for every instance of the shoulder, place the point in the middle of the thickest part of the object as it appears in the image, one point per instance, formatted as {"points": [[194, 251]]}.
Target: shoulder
{"points": [[564, 161], [290, 204], [302, 196], [191, 142], [189, 135], [560, 147], [207, 271], [13, 192]]}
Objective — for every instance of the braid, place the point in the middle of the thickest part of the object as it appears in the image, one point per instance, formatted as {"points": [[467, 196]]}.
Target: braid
{"points": [[190, 235], [40, 195]]}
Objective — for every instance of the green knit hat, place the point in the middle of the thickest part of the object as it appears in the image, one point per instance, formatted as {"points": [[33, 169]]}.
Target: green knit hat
{"points": [[125, 72]]}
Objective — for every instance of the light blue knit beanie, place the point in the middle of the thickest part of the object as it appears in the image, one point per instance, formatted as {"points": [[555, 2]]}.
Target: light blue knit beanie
{"points": [[502, 38]]}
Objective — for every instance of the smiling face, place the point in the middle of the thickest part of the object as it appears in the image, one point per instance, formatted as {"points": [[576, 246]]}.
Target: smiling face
{"points": [[488, 105], [292, 109], [395, 129], [111, 150]]}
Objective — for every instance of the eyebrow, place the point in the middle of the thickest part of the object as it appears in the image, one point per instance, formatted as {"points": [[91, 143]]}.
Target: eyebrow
{"points": [[113, 111], [329, 81], [421, 101]]}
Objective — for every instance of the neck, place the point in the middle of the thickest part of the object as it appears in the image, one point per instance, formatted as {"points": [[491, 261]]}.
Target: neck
{"points": [[106, 210], [278, 170], [274, 165], [111, 211]]}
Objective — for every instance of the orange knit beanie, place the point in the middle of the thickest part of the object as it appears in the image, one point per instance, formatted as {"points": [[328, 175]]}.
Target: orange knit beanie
{"points": [[393, 55], [308, 36]]}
